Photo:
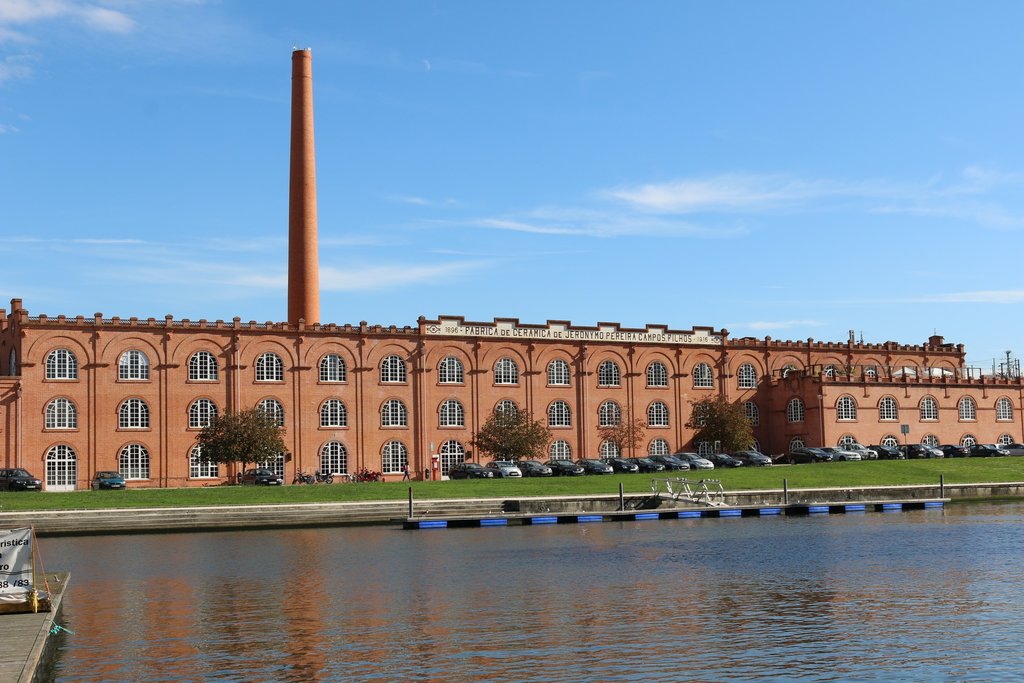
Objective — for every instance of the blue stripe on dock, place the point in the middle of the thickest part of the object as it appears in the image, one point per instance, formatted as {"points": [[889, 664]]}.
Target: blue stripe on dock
{"points": [[764, 512], [892, 507], [544, 520], [933, 504], [688, 514], [730, 513], [433, 524], [817, 509], [589, 518], [494, 522], [854, 508], [646, 515]]}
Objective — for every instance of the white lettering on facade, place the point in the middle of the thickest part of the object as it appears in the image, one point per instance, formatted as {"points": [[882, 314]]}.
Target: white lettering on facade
{"points": [[455, 329]]}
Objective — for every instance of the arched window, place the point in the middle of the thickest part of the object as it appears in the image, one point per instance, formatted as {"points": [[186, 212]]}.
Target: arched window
{"points": [[657, 447], [890, 441], [332, 368], [133, 462], [657, 374], [392, 370], [12, 363], [394, 458], [930, 440], [269, 367], [452, 414], [703, 378], [199, 468], [746, 377], [450, 371], [506, 372], [61, 468], [60, 365], [1004, 409], [1005, 440], [608, 374], [133, 414], [657, 414], [888, 409], [133, 365], [871, 372], [507, 406], [61, 414], [795, 443], [968, 409], [560, 450], [333, 458], [753, 413], [558, 373], [704, 448], [786, 372], [452, 452], [202, 367], [394, 414], [968, 440], [559, 415], [273, 409], [333, 413], [610, 449], [795, 410], [609, 414], [929, 408], [846, 408], [829, 371], [276, 465], [201, 412], [847, 440]]}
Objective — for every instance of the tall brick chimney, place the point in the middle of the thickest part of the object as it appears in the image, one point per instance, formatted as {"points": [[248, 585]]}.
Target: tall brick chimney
{"points": [[303, 267]]}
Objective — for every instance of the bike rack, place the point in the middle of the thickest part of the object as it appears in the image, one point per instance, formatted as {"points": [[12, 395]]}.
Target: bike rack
{"points": [[708, 492]]}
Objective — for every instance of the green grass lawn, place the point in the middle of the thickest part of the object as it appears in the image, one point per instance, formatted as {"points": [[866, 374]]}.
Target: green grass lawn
{"points": [[875, 473]]}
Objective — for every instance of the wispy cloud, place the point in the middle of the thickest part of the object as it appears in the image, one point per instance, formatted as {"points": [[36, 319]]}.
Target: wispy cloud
{"points": [[7, 128], [774, 324], [89, 14], [15, 66], [389, 276], [422, 201], [995, 296]]}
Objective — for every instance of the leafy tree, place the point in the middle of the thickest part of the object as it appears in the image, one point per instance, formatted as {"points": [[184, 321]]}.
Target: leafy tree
{"points": [[242, 437], [627, 434], [716, 419], [512, 435]]}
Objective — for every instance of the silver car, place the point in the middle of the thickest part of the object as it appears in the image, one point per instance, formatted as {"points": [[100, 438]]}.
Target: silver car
{"points": [[842, 453], [504, 468], [695, 461]]}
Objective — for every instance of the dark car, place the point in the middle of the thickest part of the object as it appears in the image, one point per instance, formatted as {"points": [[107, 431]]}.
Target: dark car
{"points": [[469, 470], [753, 458], [261, 476], [594, 466], [671, 463], [987, 450], [532, 468], [564, 468], [647, 465], [623, 465], [17, 479], [1013, 448], [808, 454], [951, 451], [108, 480], [918, 451], [888, 452], [724, 460]]}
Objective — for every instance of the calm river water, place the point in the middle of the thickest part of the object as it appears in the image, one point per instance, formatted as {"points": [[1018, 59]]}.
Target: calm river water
{"points": [[915, 596]]}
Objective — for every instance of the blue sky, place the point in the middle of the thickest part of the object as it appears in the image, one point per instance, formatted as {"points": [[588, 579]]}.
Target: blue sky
{"points": [[792, 169]]}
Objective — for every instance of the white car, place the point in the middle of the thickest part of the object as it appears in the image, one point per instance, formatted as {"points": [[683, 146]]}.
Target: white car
{"points": [[865, 452], [842, 454], [504, 468]]}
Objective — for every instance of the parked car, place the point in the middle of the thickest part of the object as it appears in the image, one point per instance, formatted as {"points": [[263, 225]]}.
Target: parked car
{"points": [[865, 452], [18, 479], [952, 451], [753, 458], [504, 468], [808, 454], [724, 460], [987, 450], [594, 466], [624, 465], [917, 451], [469, 470], [841, 454], [108, 480], [671, 463], [647, 465], [1013, 448], [696, 462], [564, 468], [261, 476], [888, 452], [532, 468]]}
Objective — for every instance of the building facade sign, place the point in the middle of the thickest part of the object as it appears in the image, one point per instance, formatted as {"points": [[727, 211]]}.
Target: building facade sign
{"points": [[556, 332]]}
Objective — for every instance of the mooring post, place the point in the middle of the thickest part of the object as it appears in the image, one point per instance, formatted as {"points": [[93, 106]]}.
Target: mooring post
{"points": [[942, 486], [622, 504], [410, 502], [785, 491]]}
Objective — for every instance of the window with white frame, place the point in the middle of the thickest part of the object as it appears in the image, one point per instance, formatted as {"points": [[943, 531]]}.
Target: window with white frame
{"points": [[61, 414], [452, 452], [560, 450], [333, 413], [705, 448], [559, 415], [507, 406], [699, 414], [450, 371], [829, 371], [133, 414], [1004, 409], [657, 374], [968, 440], [506, 371], [276, 465], [968, 409], [788, 370], [269, 367], [558, 373], [333, 458], [1004, 440], [392, 370], [201, 412], [890, 441], [609, 449], [657, 414], [199, 468], [871, 372], [795, 443], [657, 447], [332, 368], [394, 414], [757, 446], [61, 365], [846, 440], [609, 414], [703, 378], [846, 408], [273, 409], [888, 409], [608, 374], [930, 440], [133, 462], [795, 410], [752, 413], [929, 408], [202, 367], [133, 365], [452, 414], [394, 458], [746, 377]]}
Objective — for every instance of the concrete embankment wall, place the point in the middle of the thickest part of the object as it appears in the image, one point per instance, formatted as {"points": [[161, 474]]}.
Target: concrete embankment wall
{"points": [[143, 520]]}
